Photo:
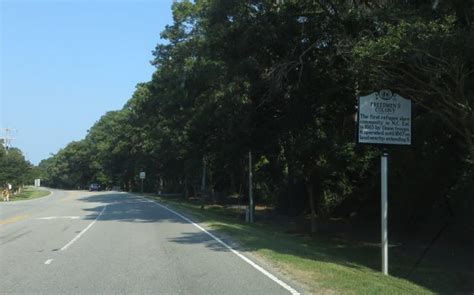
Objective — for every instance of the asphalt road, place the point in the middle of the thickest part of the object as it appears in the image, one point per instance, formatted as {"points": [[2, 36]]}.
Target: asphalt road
{"points": [[75, 242]]}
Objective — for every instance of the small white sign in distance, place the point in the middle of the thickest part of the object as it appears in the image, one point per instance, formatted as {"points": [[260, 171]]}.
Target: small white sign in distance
{"points": [[384, 118], [142, 175]]}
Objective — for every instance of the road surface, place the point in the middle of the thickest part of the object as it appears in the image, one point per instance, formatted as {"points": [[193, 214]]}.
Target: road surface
{"points": [[76, 242]]}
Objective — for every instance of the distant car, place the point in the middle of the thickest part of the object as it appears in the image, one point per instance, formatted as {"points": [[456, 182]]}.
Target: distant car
{"points": [[94, 187]]}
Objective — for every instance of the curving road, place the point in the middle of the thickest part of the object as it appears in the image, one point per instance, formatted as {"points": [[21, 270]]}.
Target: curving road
{"points": [[76, 242]]}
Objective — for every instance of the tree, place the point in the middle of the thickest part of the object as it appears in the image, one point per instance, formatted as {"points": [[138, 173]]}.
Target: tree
{"points": [[14, 169]]}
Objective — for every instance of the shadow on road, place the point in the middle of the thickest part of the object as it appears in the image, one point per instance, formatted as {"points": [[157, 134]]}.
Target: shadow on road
{"points": [[191, 238], [127, 208]]}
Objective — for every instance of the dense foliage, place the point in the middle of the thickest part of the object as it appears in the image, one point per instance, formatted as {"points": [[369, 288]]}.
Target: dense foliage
{"points": [[15, 169], [280, 78]]}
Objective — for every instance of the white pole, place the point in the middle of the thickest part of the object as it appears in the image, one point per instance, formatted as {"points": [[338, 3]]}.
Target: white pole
{"points": [[250, 188], [384, 185]]}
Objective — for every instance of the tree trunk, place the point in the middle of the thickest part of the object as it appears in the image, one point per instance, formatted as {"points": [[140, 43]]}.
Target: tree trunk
{"points": [[290, 196], [233, 188], [186, 192], [291, 181], [309, 188]]}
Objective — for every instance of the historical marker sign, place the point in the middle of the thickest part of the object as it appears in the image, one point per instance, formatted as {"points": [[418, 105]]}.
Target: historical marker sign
{"points": [[384, 118]]}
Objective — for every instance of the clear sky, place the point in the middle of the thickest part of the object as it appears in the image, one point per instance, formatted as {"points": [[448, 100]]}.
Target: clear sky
{"points": [[65, 63]]}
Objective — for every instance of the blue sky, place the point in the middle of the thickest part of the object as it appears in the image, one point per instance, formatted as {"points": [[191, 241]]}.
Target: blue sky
{"points": [[65, 63]]}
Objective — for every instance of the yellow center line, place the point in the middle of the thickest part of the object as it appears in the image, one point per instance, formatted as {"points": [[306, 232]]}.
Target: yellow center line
{"points": [[13, 219]]}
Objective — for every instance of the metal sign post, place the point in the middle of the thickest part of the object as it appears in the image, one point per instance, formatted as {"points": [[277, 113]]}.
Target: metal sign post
{"points": [[384, 118], [384, 217], [142, 177]]}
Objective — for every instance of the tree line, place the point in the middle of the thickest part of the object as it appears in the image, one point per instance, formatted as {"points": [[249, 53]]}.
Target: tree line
{"points": [[281, 79]]}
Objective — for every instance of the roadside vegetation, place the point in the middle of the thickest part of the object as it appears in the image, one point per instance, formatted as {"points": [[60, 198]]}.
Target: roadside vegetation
{"points": [[29, 193], [324, 263], [280, 79]]}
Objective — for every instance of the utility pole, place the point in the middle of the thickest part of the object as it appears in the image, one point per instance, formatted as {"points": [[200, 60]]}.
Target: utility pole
{"points": [[203, 183], [251, 209], [6, 140]]}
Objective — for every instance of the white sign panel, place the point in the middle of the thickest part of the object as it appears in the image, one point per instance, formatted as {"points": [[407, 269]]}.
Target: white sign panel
{"points": [[384, 118], [142, 175]]}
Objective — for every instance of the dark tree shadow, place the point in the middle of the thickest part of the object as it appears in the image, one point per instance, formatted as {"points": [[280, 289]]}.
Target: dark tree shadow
{"points": [[127, 208], [190, 238]]}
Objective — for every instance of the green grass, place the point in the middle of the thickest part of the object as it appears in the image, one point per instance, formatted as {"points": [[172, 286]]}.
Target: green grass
{"points": [[322, 264], [29, 193]]}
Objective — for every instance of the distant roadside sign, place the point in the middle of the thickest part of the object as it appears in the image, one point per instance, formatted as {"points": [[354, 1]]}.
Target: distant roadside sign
{"points": [[142, 175], [384, 118]]}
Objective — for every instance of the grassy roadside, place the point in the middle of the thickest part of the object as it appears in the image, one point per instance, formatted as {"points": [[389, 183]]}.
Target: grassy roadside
{"points": [[323, 265], [30, 193]]}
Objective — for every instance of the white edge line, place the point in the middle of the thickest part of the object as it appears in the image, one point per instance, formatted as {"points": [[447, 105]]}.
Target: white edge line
{"points": [[58, 217], [253, 264], [83, 231], [48, 261]]}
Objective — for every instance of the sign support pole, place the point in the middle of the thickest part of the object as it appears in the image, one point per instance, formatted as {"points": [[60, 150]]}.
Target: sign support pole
{"points": [[384, 211], [142, 177]]}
